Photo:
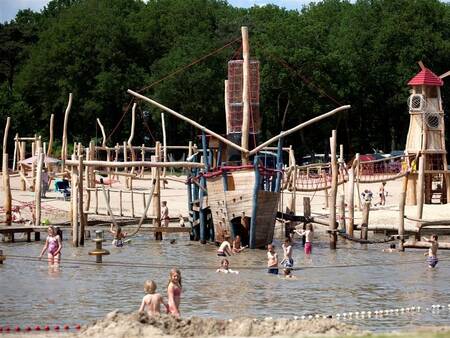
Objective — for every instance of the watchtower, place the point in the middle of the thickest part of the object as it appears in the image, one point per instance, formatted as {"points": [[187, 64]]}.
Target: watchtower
{"points": [[428, 181]]}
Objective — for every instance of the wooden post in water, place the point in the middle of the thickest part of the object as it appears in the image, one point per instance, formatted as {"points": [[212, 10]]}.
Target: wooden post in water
{"points": [[333, 192], [351, 202], [15, 154], [365, 220], [74, 203], [157, 192], [80, 200], [401, 216], [420, 188], [245, 94], [327, 195], [7, 202], [38, 188]]}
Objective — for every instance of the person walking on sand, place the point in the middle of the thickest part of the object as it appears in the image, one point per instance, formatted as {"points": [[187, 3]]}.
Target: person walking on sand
{"points": [[272, 260], [309, 234], [53, 247], [174, 292], [152, 301], [165, 214], [382, 194], [432, 251]]}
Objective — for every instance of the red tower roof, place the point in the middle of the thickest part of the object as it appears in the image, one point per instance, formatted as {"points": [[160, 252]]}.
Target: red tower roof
{"points": [[426, 77]]}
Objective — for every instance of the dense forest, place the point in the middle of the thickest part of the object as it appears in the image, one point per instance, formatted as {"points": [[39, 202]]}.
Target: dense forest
{"points": [[330, 53]]}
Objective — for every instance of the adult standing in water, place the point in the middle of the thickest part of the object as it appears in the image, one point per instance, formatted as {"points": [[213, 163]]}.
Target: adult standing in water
{"points": [[174, 289]]}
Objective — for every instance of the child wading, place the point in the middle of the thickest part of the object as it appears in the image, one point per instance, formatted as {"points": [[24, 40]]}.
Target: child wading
{"points": [[432, 251], [119, 236], [272, 260], [152, 301], [225, 267], [53, 247], [309, 234], [225, 247], [287, 261], [174, 292]]}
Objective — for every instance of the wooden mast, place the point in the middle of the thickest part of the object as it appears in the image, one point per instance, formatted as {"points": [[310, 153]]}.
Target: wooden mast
{"points": [[7, 202], [245, 92]]}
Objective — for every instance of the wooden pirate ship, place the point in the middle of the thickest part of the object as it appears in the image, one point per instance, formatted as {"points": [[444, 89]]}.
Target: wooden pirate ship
{"points": [[238, 190]]}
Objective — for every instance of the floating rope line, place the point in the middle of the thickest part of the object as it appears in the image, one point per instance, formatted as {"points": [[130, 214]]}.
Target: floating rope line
{"points": [[70, 261]]}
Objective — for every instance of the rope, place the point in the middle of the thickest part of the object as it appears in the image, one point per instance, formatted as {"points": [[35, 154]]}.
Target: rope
{"points": [[141, 221], [215, 51], [209, 267], [365, 241]]}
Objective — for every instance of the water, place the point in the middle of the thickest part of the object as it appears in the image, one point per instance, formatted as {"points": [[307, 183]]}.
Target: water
{"points": [[371, 280]]}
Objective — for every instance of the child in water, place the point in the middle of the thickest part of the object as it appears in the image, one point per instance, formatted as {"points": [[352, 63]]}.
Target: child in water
{"points": [[225, 267], [432, 251], [225, 247], [119, 236], [272, 260], [287, 261], [174, 289], [152, 301], [237, 246], [309, 234], [53, 247]]}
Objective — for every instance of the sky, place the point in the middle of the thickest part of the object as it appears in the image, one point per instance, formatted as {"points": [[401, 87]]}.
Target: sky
{"points": [[9, 8]]}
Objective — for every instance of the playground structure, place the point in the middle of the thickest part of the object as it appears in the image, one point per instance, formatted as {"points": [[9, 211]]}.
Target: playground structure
{"points": [[229, 199]]}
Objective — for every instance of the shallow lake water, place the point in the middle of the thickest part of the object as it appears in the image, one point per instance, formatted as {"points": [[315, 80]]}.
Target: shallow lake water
{"points": [[353, 278]]}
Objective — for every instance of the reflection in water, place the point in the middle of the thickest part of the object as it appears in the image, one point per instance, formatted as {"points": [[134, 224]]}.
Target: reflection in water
{"points": [[77, 292]]}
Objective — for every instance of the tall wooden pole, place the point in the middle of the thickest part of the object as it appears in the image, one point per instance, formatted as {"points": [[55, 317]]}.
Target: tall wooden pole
{"points": [[103, 133], [164, 146], [38, 187], [50, 141], [74, 204], [23, 184], [351, 202], [401, 221], [157, 191], [245, 93], [227, 112], [358, 173], [80, 200], [420, 188], [333, 192], [7, 202], [64, 140]]}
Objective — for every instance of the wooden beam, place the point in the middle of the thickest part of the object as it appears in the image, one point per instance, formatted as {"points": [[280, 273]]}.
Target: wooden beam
{"points": [[245, 94], [146, 164], [298, 127], [50, 141], [184, 118], [66, 121], [103, 133]]}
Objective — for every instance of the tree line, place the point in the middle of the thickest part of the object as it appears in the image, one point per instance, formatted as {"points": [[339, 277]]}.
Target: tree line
{"points": [[330, 53]]}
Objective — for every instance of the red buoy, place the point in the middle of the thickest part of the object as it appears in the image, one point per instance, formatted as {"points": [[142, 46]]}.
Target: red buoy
{"points": [[37, 328], [66, 327], [28, 328], [78, 326], [47, 328], [56, 327], [17, 329]]}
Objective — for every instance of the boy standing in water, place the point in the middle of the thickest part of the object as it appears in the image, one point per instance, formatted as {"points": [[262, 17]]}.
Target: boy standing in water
{"points": [[165, 214], [272, 260], [152, 301], [432, 251]]}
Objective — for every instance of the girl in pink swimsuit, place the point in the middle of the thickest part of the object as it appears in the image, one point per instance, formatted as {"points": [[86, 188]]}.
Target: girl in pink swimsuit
{"points": [[174, 292], [52, 246]]}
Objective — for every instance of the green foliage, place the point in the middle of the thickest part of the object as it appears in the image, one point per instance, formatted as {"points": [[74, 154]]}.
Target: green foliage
{"points": [[330, 53]]}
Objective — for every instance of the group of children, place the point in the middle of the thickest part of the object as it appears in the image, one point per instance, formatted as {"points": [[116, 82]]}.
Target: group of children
{"points": [[288, 262], [152, 301]]}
